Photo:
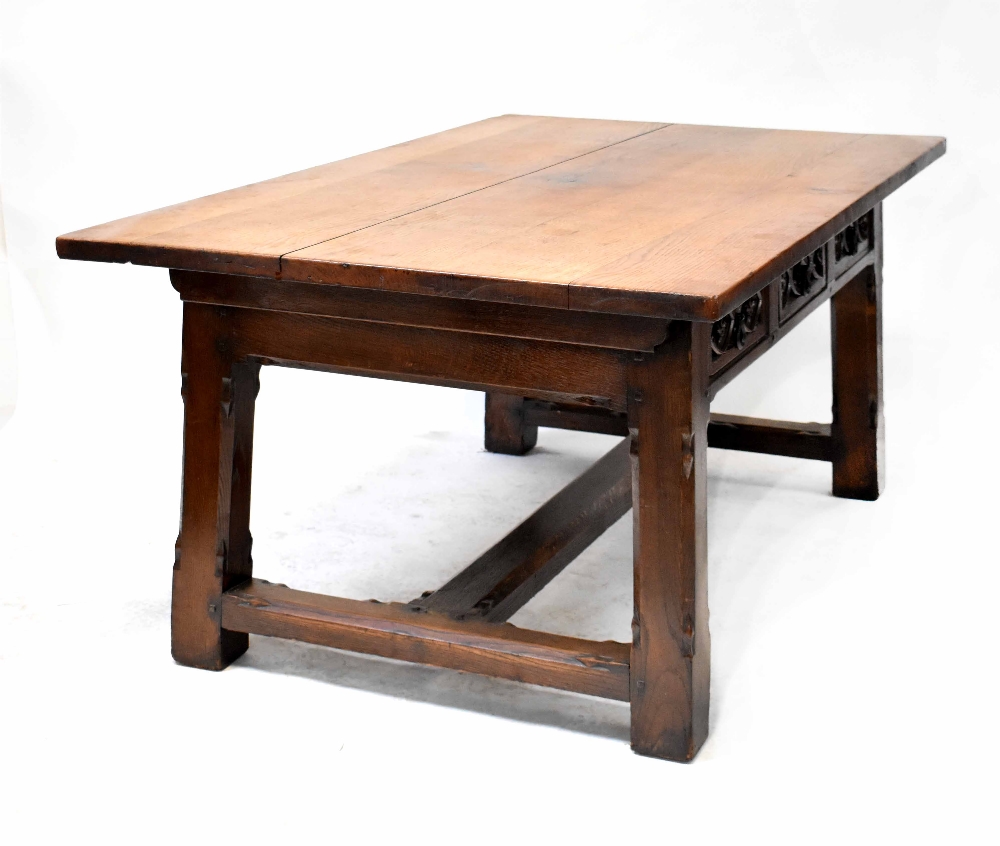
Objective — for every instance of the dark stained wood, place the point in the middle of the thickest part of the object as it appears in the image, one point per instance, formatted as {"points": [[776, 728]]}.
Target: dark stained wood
{"points": [[504, 426], [803, 282], [858, 430], [579, 418], [854, 242], [398, 631], [459, 359], [673, 221], [725, 431], [737, 333], [610, 331], [213, 547], [506, 576], [773, 437], [668, 421]]}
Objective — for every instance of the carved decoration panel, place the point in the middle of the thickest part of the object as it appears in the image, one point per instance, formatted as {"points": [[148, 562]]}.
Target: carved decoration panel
{"points": [[739, 330], [853, 242], [799, 288], [802, 282]]}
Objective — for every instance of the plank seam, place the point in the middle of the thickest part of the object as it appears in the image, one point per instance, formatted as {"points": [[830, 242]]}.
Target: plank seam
{"points": [[468, 193]]}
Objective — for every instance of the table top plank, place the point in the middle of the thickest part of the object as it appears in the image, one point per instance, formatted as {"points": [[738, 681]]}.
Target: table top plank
{"points": [[680, 211], [746, 240], [663, 219], [555, 225], [248, 229]]}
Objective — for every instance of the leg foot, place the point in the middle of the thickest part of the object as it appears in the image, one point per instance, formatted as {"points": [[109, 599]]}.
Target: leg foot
{"points": [[506, 431]]}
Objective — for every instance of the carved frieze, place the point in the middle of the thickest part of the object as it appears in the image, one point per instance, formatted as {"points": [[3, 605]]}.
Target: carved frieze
{"points": [[802, 279], [794, 292], [802, 282], [738, 331], [736, 328], [853, 241]]}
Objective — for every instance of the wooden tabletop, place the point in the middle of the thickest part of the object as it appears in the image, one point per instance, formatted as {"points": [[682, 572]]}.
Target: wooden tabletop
{"points": [[635, 218]]}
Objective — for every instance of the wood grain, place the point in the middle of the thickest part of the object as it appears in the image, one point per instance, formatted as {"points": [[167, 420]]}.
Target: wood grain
{"points": [[248, 229], [397, 631], [457, 359], [671, 221], [668, 418], [609, 331], [691, 218], [213, 546]]}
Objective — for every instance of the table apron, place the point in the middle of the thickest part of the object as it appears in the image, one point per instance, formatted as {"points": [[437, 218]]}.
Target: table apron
{"points": [[506, 319], [583, 374]]}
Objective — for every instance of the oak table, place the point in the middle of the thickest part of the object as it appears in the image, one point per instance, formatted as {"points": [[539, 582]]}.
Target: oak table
{"points": [[604, 276]]}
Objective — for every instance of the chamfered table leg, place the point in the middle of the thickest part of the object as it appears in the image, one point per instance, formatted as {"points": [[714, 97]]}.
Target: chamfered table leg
{"points": [[858, 429], [506, 431], [668, 423], [213, 548]]}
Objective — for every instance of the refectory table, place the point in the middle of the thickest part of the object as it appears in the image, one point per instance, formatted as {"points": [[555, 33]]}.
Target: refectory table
{"points": [[605, 276]]}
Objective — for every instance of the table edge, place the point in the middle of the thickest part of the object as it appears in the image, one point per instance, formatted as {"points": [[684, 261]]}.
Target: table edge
{"points": [[564, 295]]}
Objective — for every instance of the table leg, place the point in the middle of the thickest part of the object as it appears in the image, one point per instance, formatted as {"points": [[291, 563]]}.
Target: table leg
{"points": [[506, 431], [213, 549], [668, 422], [858, 430]]}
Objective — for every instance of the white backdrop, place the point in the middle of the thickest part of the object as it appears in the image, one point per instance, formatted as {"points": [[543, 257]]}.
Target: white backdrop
{"points": [[854, 644]]}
